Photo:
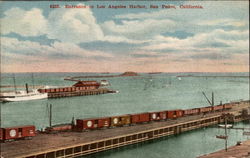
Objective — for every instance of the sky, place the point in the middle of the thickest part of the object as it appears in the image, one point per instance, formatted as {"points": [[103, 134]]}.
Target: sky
{"points": [[37, 38]]}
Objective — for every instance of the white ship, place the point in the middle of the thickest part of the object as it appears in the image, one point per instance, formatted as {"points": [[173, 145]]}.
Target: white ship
{"points": [[226, 126], [22, 96], [104, 83]]}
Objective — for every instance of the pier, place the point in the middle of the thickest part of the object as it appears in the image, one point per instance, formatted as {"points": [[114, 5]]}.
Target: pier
{"points": [[73, 144], [241, 150], [80, 93]]}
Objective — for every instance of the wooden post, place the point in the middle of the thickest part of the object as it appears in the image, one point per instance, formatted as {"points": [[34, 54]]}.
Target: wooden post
{"points": [[32, 75], [226, 132], [27, 88], [50, 115], [14, 80], [212, 98]]}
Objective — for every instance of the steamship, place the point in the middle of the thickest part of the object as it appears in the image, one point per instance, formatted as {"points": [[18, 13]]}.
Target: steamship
{"points": [[22, 95]]}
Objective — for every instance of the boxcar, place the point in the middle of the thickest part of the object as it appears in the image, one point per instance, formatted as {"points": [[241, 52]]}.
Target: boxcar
{"points": [[227, 106], [84, 124], [139, 118], [103, 122], [179, 113], [174, 114], [161, 115], [27, 131], [1, 134], [18, 132], [218, 108], [192, 111], [205, 109], [120, 120]]}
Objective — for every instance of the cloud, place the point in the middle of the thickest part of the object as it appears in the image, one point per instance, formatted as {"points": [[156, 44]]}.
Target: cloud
{"points": [[217, 40], [153, 38], [74, 25], [211, 56], [138, 29], [224, 22], [57, 50], [25, 23]]}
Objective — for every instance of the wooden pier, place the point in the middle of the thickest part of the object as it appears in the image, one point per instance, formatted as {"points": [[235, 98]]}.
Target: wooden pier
{"points": [[80, 93], [241, 150], [73, 144]]}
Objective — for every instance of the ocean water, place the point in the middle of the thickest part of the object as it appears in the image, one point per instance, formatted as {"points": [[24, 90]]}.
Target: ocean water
{"points": [[142, 93]]}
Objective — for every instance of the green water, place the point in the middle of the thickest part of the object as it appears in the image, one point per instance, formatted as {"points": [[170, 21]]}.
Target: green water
{"points": [[187, 145], [136, 94]]}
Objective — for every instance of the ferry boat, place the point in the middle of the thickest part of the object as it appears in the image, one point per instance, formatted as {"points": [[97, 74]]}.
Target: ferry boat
{"points": [[33, 94]]}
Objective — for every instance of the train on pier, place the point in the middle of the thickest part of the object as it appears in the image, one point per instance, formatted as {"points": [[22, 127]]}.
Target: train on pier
{"points": [[23, 132], [147, 117]]}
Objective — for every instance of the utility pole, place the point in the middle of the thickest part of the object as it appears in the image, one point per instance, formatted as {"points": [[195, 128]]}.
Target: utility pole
{"points": [[32, 75], [226, 132], [50, 115], [212, 98], [225, 137], [14, 80]]}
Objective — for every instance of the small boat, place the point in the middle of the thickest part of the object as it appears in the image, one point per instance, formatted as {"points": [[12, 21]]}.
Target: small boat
{"points": [[227, 126], [22, 96], [104, 83]]}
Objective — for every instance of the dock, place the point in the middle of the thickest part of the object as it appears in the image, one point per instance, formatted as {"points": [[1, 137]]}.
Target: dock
{"points": [[73, 144], [80, 93], [237, 151]]}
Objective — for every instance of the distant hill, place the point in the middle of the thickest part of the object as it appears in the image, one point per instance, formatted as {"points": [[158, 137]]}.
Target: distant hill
{"points": [[129, 73], [125, 74]]}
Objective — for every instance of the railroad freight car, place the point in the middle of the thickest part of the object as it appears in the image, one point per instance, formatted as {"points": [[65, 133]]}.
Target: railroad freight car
{"points": [[120, 120], [227, 106], [85, 124], [194, 111], [139, 118], [205, 109], [1, 134], [161, 115], [218, 108], [18, 132], [172, 114]]}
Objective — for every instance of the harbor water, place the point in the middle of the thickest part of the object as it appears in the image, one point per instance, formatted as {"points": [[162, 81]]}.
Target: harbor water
{"points": [[143, 93]]}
